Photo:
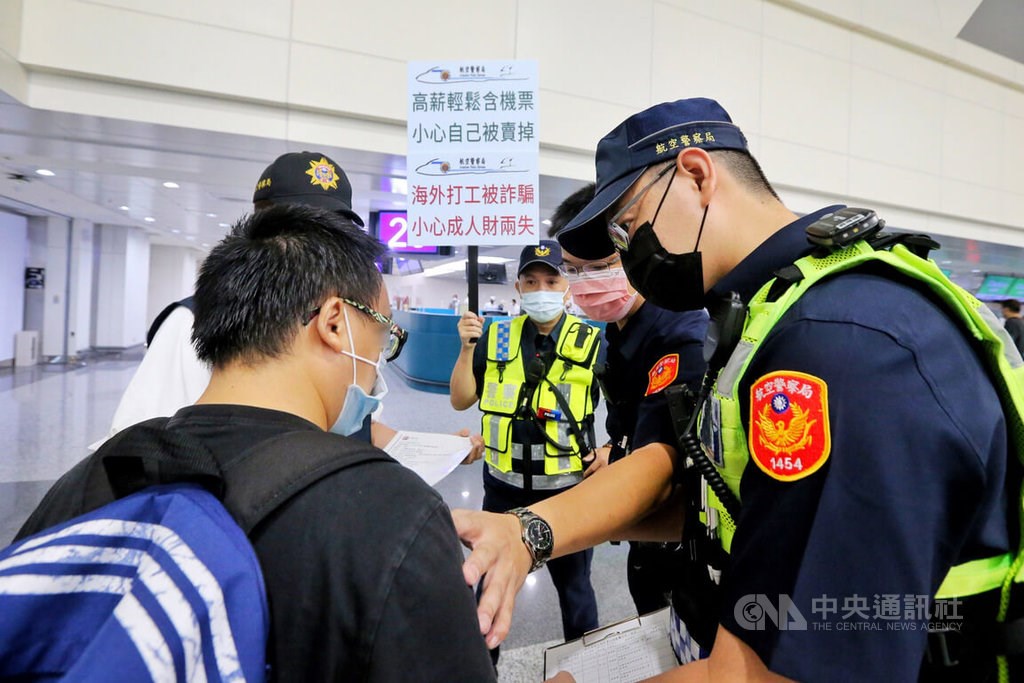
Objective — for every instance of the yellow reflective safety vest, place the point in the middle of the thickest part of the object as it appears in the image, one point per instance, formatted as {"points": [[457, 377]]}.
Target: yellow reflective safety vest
{"points": [[504, 389], [999, 354]]}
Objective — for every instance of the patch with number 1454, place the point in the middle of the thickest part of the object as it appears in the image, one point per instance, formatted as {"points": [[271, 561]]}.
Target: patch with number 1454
{"points": [[789, 433]]}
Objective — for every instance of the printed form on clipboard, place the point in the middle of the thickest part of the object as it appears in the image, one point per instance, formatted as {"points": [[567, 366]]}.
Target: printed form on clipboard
{"points": [[628, 651]]}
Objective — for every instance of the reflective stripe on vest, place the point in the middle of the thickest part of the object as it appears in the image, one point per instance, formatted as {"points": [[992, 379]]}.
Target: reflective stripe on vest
{"points": [[504, 383], [999, 353]]}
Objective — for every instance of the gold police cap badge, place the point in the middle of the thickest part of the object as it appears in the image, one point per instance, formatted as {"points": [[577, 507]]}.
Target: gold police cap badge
{"points": [[542, 251], [322, 173]]}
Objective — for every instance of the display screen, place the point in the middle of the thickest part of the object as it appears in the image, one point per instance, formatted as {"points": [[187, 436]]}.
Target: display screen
{"points": [[393, 232], [1016, 290], [995, 287]]}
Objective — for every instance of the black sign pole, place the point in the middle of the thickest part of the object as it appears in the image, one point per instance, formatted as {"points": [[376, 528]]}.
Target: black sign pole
{"points": [[473, 278]]}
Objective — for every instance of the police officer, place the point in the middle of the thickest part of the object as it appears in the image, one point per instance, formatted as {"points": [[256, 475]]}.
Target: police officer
{"points": [[649, 350], [857, 433], [533, 379]]}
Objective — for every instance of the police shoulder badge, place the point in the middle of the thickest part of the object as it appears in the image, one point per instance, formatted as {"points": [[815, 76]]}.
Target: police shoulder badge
{"points": [[789, 433], [322, 173], [662, 374]]}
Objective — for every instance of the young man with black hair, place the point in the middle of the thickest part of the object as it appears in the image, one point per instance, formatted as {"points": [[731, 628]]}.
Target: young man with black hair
{"points": [[171, 375], [854, 436], [361, 565], [1013, 322]]}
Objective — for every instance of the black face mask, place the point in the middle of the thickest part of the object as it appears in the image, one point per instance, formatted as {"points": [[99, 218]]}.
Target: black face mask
{"points": [[671, 281]]}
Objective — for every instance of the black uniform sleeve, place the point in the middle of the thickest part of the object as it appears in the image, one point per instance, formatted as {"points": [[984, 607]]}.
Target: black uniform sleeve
{"points": [[653, 420], [916, 460], [429, 629]]}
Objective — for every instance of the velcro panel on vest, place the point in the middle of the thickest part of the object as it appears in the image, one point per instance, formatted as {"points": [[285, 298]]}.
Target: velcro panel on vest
{"points": [[577, 342]]}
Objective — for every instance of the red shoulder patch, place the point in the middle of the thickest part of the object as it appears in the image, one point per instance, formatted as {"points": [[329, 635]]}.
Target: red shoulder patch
{"points": [[662, 374], [789, 432]]}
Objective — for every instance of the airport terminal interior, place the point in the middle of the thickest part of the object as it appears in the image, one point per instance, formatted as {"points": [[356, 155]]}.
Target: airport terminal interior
{"points": [[132, 134]]}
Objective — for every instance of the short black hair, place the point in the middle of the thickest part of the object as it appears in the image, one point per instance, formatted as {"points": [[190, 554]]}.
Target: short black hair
{"points": [[262, 281], [571, 207], [1011, 304], [744, 167]]}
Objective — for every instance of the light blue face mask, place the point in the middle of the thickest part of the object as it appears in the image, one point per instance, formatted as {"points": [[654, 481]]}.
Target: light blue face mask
{"points": [[543, 306], [358, 404]]}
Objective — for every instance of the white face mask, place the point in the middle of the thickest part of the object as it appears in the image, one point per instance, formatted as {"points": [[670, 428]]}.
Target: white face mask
{"points": [[358, 404], [543, 306]]}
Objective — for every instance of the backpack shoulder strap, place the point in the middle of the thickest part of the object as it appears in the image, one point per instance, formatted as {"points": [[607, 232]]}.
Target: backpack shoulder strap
{"points": [[251, 487], [162, 316], [271, 473]]}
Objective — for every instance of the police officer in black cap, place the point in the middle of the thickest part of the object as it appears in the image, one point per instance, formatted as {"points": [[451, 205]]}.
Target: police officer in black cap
{"points": [[533, 379]]}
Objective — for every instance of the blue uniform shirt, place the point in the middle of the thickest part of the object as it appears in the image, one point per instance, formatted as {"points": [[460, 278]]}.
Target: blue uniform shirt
{"points": [[638, 356], [913, 485]]}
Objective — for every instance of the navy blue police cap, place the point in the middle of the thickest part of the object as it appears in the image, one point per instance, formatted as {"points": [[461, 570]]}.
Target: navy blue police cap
{"points": [[654, 135], [547, 252]]}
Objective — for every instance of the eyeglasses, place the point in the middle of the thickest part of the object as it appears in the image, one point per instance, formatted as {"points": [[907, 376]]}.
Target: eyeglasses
{"points": [[589, 269], [620, 235], [395, 336]]}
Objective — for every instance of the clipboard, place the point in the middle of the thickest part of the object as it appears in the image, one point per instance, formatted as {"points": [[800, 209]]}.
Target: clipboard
{"points": [[626, 651]]}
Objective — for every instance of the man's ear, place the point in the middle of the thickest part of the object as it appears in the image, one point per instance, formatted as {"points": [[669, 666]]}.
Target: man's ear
{"points": [[330, 324], [516, 285], [697, 163]]}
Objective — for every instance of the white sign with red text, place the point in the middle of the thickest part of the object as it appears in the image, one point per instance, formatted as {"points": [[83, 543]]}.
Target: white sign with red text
{"points": [[473, 153]]}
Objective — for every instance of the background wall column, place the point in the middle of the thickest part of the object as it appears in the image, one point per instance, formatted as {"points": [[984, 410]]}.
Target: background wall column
{"points": [[172, 276], [14, 235], [122, 285]]}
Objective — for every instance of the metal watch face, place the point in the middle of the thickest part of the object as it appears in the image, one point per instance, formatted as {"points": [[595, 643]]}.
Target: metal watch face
{"points": [[539, 535]]}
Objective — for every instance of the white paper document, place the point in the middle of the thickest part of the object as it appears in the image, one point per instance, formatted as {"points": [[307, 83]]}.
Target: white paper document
{"points": [[432, 456], [625, 652]]}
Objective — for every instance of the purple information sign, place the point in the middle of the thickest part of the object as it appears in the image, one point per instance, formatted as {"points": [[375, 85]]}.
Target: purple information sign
{"points": [[393, 231]]}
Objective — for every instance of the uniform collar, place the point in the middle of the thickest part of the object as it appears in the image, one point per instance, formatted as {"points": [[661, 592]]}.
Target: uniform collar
{"points": [[637, 328], [780, 250]]}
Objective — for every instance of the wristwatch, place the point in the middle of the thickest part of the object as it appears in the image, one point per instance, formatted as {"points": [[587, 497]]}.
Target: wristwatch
{"points": [[537, 536]]}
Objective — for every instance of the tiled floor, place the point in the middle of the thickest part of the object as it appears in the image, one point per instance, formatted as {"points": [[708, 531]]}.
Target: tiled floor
{"points": [[50, 413]]}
